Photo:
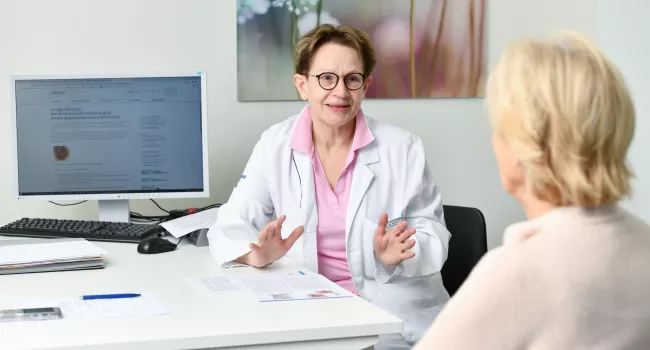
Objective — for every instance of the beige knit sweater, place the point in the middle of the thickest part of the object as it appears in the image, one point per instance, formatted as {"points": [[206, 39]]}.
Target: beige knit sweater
{"points": [[572, 279]]}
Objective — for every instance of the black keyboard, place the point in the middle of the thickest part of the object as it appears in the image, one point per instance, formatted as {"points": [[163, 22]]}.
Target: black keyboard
{"points": [[90, 230]]}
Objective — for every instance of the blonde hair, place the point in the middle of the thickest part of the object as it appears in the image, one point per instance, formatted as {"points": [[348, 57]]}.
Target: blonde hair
{"points": [[566, 112], [351, 37]]}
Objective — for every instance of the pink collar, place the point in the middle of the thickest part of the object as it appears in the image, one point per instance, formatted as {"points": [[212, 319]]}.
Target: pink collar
{"points": [[302, 138]]}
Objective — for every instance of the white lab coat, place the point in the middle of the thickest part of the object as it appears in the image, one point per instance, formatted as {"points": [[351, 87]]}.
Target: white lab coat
{"points": [[391, 175]]}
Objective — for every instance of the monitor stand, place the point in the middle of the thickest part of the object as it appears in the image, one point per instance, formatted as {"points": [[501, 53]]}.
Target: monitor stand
{"points": [[114, 210]]}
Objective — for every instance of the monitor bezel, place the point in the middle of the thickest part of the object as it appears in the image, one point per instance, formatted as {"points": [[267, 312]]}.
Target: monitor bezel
{"points": [[202, 75]]}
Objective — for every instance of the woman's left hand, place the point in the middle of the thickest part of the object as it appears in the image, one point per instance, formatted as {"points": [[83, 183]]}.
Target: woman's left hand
{"points": [[390, 247]]}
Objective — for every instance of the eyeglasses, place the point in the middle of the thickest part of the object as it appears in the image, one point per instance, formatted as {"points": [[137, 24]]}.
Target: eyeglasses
{"points": [[328, 81]]}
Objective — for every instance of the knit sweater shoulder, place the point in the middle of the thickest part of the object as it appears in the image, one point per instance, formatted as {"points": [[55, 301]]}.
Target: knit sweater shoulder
{"points": [[574, 278]]}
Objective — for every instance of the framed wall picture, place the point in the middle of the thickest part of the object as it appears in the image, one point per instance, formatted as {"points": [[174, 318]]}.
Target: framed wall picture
{"points": [[425, 48]]}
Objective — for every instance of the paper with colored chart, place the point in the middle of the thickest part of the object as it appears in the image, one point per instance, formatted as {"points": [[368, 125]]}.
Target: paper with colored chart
{"points": [[276, 286]]}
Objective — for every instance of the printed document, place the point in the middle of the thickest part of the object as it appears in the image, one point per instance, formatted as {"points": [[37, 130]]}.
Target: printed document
{"points": [[53, 250], [144, 305], [279, 286], [75, 308], [190, 223]]}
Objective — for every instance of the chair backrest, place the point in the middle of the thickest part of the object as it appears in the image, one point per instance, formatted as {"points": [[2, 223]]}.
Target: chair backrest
{"points": [[467, 245]]}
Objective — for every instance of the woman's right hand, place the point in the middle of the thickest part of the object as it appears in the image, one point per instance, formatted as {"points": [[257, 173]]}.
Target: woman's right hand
{"points": [[270, 245]]}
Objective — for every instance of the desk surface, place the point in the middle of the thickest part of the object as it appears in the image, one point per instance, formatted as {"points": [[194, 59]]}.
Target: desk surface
{"points": [[195, 322]]}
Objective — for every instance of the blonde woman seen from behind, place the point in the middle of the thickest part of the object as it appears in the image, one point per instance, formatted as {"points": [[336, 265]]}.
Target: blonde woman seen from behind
{"points": [[576, 274]]}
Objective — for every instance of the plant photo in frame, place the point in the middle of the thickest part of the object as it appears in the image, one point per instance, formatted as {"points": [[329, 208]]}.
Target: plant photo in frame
{"points": [[425, 48]]}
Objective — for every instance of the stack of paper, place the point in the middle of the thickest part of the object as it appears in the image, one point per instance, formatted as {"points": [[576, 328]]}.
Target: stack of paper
{"points": [[23, 256]]}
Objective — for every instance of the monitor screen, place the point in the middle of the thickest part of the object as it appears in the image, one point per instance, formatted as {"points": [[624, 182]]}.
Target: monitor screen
{"points": [[111, 137]]}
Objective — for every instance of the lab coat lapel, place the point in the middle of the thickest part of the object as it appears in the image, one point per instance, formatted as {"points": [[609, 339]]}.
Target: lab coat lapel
{"points": [[361, 180], [307, 210]]}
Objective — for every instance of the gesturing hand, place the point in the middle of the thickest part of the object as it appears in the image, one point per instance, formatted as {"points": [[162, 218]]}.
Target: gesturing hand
{"points": [[390, 247], [270, 246]]}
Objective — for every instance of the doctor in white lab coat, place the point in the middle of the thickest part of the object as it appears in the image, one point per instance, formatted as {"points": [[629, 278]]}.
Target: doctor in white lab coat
{"points": [[379, 171]]}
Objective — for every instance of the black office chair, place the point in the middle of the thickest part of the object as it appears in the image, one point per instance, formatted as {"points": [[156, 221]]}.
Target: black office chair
{"points": [[467, 245]]}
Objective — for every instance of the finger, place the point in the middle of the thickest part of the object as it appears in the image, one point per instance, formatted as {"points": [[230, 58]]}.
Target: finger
{"points": [[280, 221], [265, 232], [293, 237], [273, 223], [254, 247], [275, 227], [397, 230], [263, 235], [381, 225], [406, 234], [407, 255], [408, 244]]}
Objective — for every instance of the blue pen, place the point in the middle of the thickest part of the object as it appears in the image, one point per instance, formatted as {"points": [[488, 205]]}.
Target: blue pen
{"points": [[109, 296]]}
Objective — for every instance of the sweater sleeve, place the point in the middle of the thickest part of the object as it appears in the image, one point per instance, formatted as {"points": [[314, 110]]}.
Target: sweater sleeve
{"points": [[483, 314]]}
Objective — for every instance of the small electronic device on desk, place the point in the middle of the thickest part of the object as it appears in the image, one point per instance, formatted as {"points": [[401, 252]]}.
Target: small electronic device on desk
{"points": [[199, 238], [35, 314], [156, 245]]}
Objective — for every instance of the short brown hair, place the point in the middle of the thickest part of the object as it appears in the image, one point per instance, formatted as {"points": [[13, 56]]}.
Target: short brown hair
{"points": [[565, 110], [348, 36]]}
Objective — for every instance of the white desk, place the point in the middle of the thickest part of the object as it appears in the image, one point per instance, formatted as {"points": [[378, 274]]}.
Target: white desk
{"points": [[195, 321]]}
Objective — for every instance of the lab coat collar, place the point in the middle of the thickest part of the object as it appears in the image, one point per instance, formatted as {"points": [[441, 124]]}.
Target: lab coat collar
{"points": [[302, 136], [361, 180]]}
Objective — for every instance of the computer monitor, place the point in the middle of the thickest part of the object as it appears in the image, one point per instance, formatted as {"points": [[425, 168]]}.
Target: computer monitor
{"points": [[111, 138]]}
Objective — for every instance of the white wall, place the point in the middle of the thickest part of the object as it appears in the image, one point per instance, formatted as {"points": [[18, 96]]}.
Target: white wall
{"points": [[64, 36], [622, 34]]}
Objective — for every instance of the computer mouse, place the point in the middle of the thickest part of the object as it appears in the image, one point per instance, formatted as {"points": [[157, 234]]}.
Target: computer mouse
{"points": [[155, 245]]}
